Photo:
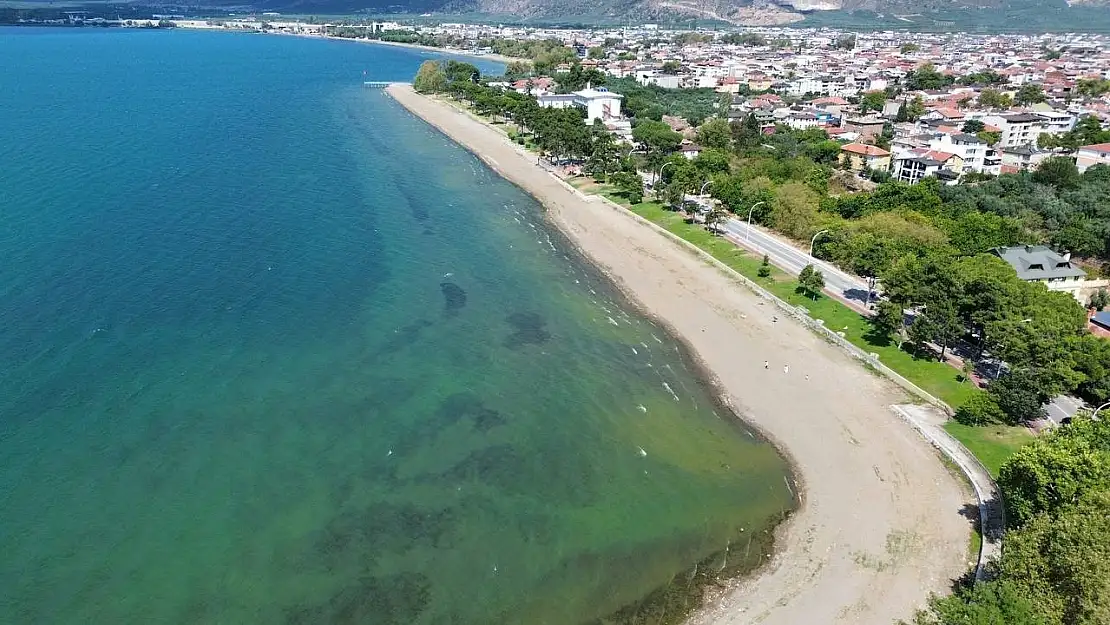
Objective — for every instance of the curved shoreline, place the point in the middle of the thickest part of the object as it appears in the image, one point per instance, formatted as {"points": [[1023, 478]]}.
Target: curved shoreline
{"points": [[879, 525]]}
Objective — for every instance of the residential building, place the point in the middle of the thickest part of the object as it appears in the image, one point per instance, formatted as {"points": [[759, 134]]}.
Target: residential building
{"points": [[1090, 155], [1022, 158], [867, 127], [1017, 129], [860, 155], [971, 149], [1040, 263], [913, 166], [599, 103]]}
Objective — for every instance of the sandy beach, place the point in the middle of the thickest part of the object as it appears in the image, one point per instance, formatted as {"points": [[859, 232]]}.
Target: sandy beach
{"points": [[880, 526]]}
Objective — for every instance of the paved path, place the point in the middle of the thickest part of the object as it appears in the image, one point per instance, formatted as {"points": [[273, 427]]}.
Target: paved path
{"points": [[930, 424], [784, 255]]}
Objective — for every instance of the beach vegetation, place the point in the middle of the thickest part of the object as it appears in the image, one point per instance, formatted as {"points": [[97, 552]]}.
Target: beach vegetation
{"points": [[430, 78]]}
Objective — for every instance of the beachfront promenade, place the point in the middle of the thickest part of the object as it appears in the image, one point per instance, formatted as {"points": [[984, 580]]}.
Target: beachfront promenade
{"points": [[880, 525]]}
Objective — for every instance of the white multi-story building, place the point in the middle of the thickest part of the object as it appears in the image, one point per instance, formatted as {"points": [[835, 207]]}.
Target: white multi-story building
{"points": [[971, 149], [1017, 129], [599, 103]]}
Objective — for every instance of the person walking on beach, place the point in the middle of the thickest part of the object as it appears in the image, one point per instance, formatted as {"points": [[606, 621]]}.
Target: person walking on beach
{"points": [[786, 368], [766, 364]]}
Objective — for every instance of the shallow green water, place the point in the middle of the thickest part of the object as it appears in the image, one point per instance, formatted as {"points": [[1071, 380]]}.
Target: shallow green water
{"points": [[276, 351]]}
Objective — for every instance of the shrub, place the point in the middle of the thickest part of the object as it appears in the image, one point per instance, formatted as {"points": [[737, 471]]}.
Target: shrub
{"points": [[981, 409]]}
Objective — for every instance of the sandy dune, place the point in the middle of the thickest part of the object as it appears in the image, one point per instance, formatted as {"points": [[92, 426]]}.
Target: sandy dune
{"points": [[880, 525]]}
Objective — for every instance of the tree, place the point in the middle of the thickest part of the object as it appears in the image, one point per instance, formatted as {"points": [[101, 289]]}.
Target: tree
{"points": [[1061, 559], [596, 53], [994, 99], [973, 126], [605, 154], [1021, 394], [910, 110], [671, 67], [846, 42], [1100, 300], [430, 78], [908, 48], [458, 71], [986, 77], [1092, 88], [939, 324], [715, 217], [672, 195], [990, 137], [794, 210], [888, 320], [765, 267], [926, 77], [1029, 94], [1059, 172], [715, 134], [903, 114], [657, 138], [985, 603], [516, 70], [872, 101], [980, 409], [1055, 565], [811, 281], [1055, 470]]}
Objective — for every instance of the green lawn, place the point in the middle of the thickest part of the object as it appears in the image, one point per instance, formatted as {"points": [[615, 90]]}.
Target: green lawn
{"points": [[991, 444]]}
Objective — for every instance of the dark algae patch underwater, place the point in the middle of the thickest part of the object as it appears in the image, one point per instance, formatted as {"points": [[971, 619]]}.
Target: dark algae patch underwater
{"points": [[278, 352]]}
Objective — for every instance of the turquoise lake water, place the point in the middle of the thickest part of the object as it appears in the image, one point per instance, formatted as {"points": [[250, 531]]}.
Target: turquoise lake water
{"points": [[275, 351]]}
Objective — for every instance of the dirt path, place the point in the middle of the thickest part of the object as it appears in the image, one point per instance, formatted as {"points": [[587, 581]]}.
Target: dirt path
{"points": [[880, 524]]}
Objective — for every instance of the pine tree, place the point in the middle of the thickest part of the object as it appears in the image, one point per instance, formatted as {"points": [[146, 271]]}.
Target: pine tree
{"points": [[765, 267]]}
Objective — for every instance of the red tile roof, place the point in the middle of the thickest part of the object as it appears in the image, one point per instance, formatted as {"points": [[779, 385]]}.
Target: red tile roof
{"points": [[864, 150]]}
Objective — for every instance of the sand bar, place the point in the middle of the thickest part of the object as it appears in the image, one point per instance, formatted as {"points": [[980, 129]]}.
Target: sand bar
{"points": [[879, 527]]}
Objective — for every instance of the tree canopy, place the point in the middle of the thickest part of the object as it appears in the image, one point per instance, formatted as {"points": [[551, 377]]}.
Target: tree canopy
{"points": [[1055, 565]]}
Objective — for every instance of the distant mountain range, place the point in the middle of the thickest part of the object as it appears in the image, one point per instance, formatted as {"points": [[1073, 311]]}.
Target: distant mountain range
{"points": [[938, 15]]}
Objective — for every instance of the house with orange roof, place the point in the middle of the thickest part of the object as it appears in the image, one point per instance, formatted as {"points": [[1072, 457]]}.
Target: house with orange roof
{"points": [[858, 156]]}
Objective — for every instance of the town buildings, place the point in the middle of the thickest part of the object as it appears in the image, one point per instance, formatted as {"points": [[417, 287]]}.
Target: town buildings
{"points": [[961, 120]]}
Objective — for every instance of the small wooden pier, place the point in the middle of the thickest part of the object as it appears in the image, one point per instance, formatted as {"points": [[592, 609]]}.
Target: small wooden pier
{"points": [[376, 84]]}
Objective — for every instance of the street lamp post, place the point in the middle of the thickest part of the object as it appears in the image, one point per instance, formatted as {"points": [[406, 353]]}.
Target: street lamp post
{"points": [[748, 232], [814, 240], [707, 183], [661, 171], [1094, 415]]}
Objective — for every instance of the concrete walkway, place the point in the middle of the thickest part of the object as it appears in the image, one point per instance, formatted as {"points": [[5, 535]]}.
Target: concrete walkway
{"points": [[992, 521]]}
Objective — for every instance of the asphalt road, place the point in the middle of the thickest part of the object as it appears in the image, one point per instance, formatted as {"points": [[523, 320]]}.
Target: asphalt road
{"points": [[790, 259], [1062, 406]]}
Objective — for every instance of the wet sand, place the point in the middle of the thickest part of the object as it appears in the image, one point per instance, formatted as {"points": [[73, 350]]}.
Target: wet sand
{"points": [[879, 526]]}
